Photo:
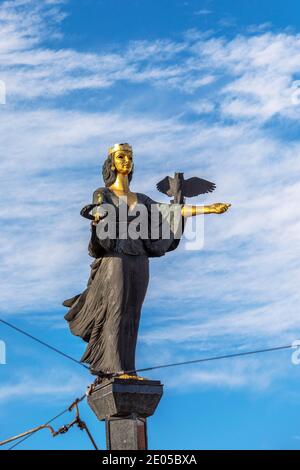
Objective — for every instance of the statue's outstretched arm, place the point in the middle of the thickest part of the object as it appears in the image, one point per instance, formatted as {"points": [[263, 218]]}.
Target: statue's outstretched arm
{"points": [[217, 208]]}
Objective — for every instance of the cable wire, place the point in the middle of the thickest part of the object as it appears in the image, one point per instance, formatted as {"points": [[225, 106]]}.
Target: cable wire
{"points": [[46, 424], [58, 351], [216, 358], [205, 359]]}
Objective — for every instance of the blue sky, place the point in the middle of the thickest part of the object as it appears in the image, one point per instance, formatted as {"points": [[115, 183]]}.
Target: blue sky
{"points": [[205, 87]]}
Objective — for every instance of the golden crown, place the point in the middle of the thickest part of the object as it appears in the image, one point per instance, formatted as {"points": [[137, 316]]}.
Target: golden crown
{"points": [[116, 147]]}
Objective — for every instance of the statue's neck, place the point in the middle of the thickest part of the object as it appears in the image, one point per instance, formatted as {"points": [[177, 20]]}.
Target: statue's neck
{"points": [[121, 184]]}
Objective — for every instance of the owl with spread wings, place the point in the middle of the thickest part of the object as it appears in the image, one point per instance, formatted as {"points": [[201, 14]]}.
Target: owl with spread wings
{"points": [[179, 188]]}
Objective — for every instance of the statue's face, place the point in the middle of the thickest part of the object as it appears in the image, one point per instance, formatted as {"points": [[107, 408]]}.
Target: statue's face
{"points": [[123, 161]]}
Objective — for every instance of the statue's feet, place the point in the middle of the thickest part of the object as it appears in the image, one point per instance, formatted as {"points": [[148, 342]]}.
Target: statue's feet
{"points": [[108, 375], [132, 377]]}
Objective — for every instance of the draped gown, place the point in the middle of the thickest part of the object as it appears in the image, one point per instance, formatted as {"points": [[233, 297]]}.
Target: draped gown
{"points": [[107, 314]]}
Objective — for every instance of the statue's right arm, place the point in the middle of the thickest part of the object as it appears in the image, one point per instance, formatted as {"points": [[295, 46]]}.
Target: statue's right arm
{"points": [[217, 208]]}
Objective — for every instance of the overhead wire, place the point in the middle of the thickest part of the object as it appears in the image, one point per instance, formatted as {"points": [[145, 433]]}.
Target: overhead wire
{"points": [[47, 345], [62, 430]]}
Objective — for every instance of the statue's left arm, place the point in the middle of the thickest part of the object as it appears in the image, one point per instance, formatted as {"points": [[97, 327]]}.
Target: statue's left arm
{"points": [[217, 208]]}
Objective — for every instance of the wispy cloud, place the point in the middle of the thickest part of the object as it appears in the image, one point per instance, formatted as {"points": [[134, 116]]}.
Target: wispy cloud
{"points": [[59, 384], [233, 374], [247, 63], [202, 12]]}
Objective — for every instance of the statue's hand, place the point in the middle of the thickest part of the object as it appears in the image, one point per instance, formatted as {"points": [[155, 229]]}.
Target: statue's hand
{"points": [[219, 208], [98, 217]]}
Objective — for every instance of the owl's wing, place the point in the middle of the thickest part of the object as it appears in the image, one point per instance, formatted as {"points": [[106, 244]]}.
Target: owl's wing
{"points": [[195, 186], [164, 186]]}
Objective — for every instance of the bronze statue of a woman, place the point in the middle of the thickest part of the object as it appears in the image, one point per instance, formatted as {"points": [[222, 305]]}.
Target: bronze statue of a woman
{"points": [[107, 314]]}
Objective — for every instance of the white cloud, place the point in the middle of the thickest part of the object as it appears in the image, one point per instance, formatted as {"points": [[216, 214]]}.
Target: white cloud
{"points": [[202, 106]]}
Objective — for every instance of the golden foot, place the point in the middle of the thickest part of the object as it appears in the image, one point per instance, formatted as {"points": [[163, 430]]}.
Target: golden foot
{"points": [[133, 377]]}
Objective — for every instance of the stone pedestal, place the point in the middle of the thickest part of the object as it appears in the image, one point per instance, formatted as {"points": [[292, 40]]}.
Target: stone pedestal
{"points": [[125, 404], [126, 434]]}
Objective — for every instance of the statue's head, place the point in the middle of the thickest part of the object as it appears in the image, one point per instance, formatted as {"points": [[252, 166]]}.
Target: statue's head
{"points": [[119, 160]]}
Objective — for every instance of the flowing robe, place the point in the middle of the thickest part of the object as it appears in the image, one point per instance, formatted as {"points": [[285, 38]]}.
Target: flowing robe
{"points": [[107, 314]]}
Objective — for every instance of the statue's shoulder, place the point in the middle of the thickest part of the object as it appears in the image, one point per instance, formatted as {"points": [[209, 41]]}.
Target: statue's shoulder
{"points": [[99, 194]]}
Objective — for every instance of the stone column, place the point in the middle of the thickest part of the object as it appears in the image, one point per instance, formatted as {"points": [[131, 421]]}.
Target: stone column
{"points": [[125, 404]]}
